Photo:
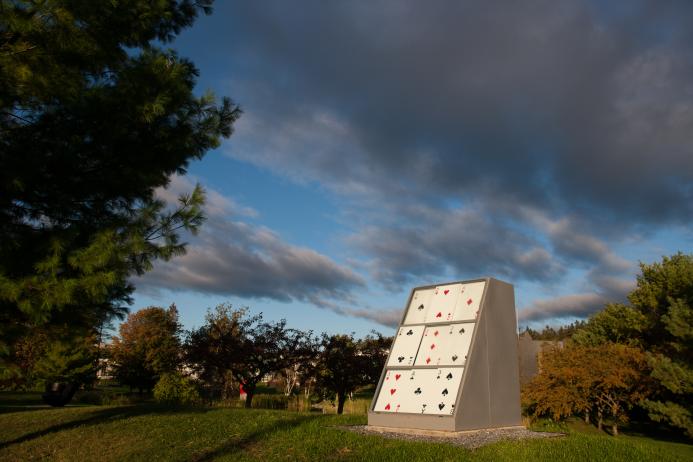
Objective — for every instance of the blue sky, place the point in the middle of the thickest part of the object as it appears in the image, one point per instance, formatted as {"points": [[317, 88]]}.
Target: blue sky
{"points": [[386, 145]]}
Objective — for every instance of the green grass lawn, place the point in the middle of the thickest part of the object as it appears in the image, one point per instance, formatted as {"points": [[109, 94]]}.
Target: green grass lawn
{"points": [[148, 432]]}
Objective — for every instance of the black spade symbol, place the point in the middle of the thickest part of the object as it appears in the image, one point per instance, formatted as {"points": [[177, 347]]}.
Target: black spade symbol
{"points": [[400, 359], [445, 392], [449, 376], [441, 406], [462, 331], [411, 332], [421, 307], [418, 392], [454, 357]]}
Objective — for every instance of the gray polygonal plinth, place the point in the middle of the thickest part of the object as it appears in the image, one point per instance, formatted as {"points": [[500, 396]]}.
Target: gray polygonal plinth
{"points": [[409, 391]]}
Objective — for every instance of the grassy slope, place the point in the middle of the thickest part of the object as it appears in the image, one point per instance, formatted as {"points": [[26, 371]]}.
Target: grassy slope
{"points": [[152, 433]]}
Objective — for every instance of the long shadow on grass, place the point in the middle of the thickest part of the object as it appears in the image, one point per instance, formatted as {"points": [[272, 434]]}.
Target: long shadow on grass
{"points": [[243, 443], [94, 418]]}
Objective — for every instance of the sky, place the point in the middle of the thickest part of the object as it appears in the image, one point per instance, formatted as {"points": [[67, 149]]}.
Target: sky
{"points": [[386, 145]]}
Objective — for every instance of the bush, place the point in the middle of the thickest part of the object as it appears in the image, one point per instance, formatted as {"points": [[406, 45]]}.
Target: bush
{"points": [[176, 389]]}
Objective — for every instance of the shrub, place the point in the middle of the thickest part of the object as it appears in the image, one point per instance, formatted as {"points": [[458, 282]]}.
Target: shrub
{"points": [[176, 389]]}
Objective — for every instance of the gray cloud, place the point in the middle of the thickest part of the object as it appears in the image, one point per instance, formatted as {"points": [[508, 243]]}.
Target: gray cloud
{"points": [[567, 306], [231, 257], [515, 139], [560, 105]]}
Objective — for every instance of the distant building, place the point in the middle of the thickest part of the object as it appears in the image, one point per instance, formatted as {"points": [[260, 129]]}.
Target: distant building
{"points": [[530, 352]]}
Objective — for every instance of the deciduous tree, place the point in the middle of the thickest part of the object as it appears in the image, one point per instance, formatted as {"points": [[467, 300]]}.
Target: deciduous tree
{"points": [[147, 347], [346, 363], [247, 347]]}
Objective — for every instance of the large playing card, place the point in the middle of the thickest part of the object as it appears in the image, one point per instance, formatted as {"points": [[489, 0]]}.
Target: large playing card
{"points": [[443, 302], [393, 391], [405, 346], [433, 345], [457, 339], [467, 304], [443, 392], [420, 393], [418, 307]]}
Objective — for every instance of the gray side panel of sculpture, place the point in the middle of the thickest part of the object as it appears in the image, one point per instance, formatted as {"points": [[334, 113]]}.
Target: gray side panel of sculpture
{"points": [[504, 374]]}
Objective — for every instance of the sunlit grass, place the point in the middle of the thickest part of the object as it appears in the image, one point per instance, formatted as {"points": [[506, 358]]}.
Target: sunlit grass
{"points": [[148, 432]]}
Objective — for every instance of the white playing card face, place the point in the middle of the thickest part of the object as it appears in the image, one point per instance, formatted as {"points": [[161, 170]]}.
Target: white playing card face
{"points": [[443, 393], [467, 306], [405, 346], [418, 397], [418, 307], [393, 391], [458, 338], [443, 302], [432, 346]]}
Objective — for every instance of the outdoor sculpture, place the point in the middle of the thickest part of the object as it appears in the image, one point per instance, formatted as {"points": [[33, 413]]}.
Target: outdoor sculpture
{"points": [[453, 364]]}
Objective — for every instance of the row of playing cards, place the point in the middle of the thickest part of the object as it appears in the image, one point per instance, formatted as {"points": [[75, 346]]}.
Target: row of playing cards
{"points": [[451, 302], [419, 391], [439, 345]]}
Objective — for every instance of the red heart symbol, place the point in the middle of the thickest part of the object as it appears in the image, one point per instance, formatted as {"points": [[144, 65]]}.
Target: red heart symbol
{"points": [[439, 314], [433, 345], [392, 391], [387, 408], [445, 292], [398, 376], [428, 360], [469, 302]]}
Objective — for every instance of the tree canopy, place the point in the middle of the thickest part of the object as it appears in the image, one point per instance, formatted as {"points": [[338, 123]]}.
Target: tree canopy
{"points": [[94, 116], [147, 347]]}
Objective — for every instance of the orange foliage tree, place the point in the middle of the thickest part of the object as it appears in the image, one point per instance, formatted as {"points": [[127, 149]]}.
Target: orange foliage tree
{"points": [[608, 380]]}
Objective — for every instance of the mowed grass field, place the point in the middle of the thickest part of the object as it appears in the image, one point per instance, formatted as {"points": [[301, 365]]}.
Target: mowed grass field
{"points": [[149, 433]]}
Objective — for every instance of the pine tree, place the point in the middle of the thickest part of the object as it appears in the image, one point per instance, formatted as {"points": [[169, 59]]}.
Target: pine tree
{"points": [[94, 116]]}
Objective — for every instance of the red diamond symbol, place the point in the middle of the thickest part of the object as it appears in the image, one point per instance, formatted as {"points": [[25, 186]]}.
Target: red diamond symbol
{"points": [[469, 302]]}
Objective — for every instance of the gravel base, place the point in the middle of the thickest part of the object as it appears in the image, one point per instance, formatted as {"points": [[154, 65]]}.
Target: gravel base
{"points": [[470, 440]]}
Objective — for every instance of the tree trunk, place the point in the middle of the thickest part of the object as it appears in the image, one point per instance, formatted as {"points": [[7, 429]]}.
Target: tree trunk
{"points": [[599, 420], [587, 417], [614, 429], [341, 398], [249, 397]]}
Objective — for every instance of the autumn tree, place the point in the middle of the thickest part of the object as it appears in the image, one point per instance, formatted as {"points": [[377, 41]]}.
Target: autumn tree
{"points": [[94, 116], [147, 346], [246, 347], [659, 320], [346, 363], [609, 379]]}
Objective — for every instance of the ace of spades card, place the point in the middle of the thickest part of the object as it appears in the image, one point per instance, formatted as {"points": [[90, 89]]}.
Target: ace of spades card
{"points": [[405, 346], [443, 302], [418, 307], [442, 394], [433, 345], [457, 342], [468, 302]]}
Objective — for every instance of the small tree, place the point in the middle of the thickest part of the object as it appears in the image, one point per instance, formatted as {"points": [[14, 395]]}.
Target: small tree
{"points": [[246, 346], [609, 378], [345, 364], [148, 346]]}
